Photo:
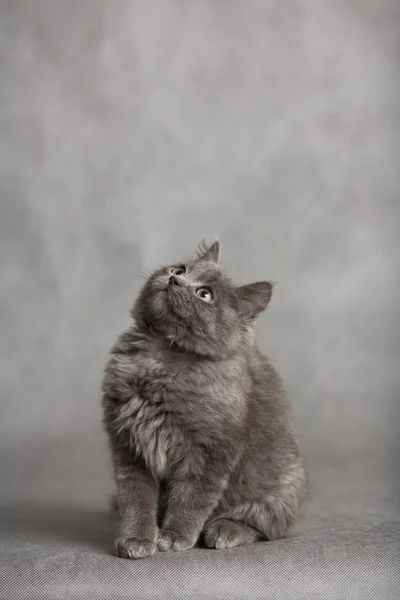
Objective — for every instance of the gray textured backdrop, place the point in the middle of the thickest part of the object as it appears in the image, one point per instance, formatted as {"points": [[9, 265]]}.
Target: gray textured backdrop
{"points": [[132, 129]]}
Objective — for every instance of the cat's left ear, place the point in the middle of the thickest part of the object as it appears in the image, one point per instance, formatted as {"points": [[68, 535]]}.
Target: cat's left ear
{"points": [[254, 298], [210, 253]]}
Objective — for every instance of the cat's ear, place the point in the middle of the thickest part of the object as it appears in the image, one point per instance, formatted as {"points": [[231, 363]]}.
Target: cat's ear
{"points": [[254, 298], [209, 253]]}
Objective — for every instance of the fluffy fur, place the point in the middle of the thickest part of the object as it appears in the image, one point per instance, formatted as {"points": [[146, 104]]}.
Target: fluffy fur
{"points": [[198, 422]]}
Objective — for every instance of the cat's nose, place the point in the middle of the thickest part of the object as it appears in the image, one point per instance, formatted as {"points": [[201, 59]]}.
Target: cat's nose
{"points": [[173, 281]]}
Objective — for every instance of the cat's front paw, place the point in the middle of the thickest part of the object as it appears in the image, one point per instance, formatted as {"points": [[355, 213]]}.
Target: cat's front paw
{"points": [[131, 547], [170, 540]]}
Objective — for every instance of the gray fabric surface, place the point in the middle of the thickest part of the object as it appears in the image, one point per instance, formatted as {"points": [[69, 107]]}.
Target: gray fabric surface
{"points": [[346, 547], [130, 130]]}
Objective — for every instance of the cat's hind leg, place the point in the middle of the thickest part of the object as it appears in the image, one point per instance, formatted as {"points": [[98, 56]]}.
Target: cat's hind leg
{"points": [[250, 521], [273, 519], [228, 533]]}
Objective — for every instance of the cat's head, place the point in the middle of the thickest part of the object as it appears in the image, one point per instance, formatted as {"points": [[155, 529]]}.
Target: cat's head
{"points": [[196, 307]]}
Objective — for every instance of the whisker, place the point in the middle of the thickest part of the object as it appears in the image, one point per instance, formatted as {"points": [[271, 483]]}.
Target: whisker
{"points": [[144, 274]]}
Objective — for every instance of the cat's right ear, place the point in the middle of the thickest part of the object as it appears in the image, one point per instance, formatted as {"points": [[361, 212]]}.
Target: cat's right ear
{"points": [[254, 298], [209, 253]]}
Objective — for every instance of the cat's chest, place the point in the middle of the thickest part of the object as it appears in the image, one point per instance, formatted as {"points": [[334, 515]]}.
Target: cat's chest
{"points": [[171, 382], [152, 433], [162, 418], [173, 410]]}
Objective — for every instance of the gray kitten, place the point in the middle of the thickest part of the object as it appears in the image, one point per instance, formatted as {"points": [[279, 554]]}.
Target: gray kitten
{"points": [[197, 419]]}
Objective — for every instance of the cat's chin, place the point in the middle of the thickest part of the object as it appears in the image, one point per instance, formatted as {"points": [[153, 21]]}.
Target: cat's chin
{"points": [[179, 343]]}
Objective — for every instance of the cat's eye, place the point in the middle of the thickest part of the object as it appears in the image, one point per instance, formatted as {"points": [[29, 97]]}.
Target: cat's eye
{"points": [[178, 270], [204, 294]]}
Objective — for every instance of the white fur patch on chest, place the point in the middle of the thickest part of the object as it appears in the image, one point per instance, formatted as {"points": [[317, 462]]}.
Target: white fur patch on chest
{"points": [[149, 432]]}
